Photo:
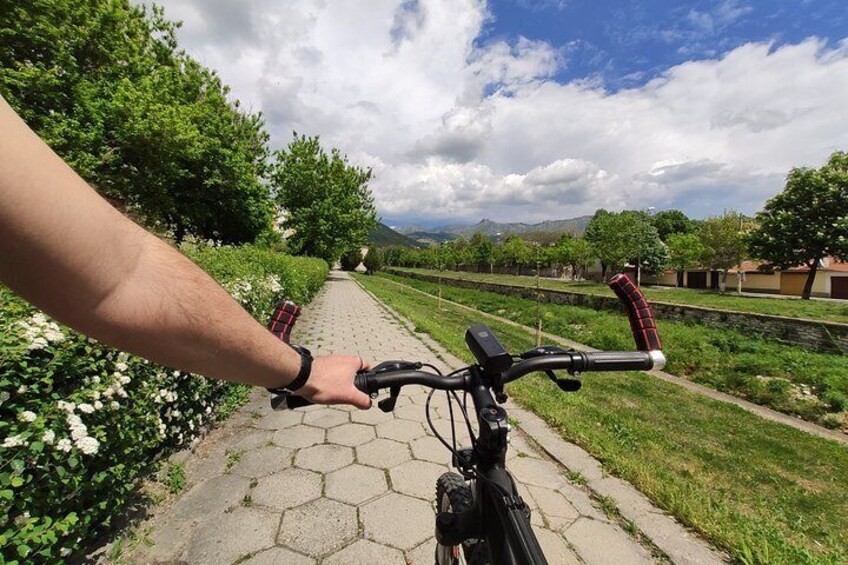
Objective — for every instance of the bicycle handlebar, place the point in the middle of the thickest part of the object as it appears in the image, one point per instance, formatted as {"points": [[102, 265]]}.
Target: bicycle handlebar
{"points": [[574, 361]]}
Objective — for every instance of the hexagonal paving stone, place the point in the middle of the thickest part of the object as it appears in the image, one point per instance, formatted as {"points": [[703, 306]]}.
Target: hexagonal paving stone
{"points": [[536, 472], [423, 554], [326, 418], [372, 416], [287, 489], [263, 461], [382, 453], [277, 555], [413, 412], [428, 448], [298, 437], [250, 440], [318, 527], [211, 496], [351, 435], [279, 419], [231, 536], [355, 484], [446, 431], [400, 430], [324, 458], [365, 551], [397, 520], [416, 478]]}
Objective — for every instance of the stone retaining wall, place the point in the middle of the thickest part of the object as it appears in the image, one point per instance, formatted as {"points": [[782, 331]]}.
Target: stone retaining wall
{"points": [[823, 336]]}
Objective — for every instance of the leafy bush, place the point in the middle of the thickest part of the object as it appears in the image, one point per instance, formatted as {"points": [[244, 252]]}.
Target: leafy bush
{"points": [[374, 260], [81, 424]]}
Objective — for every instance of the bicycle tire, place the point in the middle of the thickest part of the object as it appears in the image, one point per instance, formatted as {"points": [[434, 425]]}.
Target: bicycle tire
{"points": [[454, 495]]}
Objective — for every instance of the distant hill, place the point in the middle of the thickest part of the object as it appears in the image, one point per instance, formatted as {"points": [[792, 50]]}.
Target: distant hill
{"points": [[574, 226], [383, 236]]}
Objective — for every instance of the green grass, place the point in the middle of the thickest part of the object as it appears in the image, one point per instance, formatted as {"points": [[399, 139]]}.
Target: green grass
{"points": [[790, 379], [764, 492], [175, 478], [789, 307]]}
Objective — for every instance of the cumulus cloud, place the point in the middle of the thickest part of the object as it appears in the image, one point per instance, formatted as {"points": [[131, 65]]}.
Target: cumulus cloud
{"points": [[455, 127]]}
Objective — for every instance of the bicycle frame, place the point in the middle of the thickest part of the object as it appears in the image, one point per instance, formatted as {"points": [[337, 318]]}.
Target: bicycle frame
{"points": [[499, 515]]}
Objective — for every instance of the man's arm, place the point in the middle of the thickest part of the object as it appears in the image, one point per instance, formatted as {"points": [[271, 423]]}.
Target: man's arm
{"points": [[67, 251]]}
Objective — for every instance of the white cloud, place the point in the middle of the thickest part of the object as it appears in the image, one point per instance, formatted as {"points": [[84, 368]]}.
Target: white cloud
{"points": [[458, 129]]}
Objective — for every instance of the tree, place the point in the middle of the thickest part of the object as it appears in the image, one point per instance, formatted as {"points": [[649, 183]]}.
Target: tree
{"points": [[685, 251], [351, 260], [327, 202], [481, 251], [669, 222], [626, 238], [105, 85], [515, 252], [373, 260], [724, 243], [807, 221]]}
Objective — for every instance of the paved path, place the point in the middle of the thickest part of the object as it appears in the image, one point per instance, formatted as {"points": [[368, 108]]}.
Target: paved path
{"points": [[334, 485]]}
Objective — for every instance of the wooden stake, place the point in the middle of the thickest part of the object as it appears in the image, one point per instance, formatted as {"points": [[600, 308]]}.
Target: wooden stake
{"points": [[539, 334]]}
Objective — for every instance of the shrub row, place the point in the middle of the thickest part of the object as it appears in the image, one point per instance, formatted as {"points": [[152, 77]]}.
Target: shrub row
{"points": [[82, 424]]}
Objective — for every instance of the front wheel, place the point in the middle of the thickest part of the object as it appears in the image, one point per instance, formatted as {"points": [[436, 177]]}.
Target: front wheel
{"points": [[454, 495]]}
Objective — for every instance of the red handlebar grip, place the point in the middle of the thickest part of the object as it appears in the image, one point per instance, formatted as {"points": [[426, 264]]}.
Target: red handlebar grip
{"points": [[283, 319], [641, 316]]}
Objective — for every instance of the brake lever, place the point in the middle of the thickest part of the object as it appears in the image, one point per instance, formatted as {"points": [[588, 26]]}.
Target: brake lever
{"points": [[565, 385]]}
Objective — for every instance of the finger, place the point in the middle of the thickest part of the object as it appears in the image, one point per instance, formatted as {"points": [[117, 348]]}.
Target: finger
{"points": [[360, 400], [366, 365]]}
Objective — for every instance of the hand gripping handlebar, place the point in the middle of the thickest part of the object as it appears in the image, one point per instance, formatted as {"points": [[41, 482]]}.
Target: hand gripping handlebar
{"points": [[641, 317]]}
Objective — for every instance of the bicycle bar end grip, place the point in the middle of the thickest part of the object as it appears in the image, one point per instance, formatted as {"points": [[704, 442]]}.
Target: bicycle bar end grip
{"points": [[638, 311]]}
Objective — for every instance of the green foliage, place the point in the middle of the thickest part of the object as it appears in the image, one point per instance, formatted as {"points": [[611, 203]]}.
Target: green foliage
{"points": [[373, 260], [351, 259], [105, 85], [626, 238], [175, 478], [668, 222], [685, 251], [808, 221], [723, 238], [515, 251], [327, 201], [82, 424]]}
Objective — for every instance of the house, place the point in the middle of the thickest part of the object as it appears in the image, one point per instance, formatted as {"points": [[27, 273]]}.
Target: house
{"points": [[831, 279]]}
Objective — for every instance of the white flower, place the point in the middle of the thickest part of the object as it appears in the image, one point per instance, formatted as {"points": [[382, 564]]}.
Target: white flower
{"points": [[79, 433], [64, 445], [64, 552], [22, 389], [27, 416], [95, 380], [13, 441], [125, 380], [88, 445], [98, 405], [86, 408], [68, 407], [176, 373], [162, 429], [122, 393], [48, 437], [37, 343], [208, 409], [123, 357], [114, 405], [121, 366], [4, 396], [96, 394]]}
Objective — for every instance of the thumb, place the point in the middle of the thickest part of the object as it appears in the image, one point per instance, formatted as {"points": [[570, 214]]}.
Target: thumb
{"points": [[360, 400]]}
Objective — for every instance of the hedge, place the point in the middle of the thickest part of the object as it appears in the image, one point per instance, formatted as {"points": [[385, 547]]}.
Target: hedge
{"points": [[82, 424]]}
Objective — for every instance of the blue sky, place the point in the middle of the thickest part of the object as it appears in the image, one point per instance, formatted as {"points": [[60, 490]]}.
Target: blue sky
{"points": [[516, 110], [627, 43]]}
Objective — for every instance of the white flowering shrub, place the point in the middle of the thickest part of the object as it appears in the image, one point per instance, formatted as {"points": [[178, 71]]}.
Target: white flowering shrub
{"points": [[82, 424]]}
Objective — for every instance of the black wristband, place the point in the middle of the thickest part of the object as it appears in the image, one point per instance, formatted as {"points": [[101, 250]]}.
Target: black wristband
{"points": [[302, 375]]}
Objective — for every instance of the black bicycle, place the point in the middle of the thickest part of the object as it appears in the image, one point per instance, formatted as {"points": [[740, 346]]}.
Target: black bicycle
{"points": [[481, 516]]}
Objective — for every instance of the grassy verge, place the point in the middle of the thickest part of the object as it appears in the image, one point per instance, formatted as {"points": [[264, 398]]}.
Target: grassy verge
{"points": [[787, 378], [764, 492], [789, 307]]}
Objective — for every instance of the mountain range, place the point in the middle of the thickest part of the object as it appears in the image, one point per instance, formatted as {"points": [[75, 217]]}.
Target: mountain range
{"points": [[491, 228]]}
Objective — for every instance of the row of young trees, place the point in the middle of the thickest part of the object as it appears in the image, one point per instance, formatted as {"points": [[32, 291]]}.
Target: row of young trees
{"points": [[106, 85], [802, 225]]}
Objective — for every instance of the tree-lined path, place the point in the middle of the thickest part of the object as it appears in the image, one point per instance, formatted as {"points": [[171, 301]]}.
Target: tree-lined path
{"points": [[337, 485]]}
